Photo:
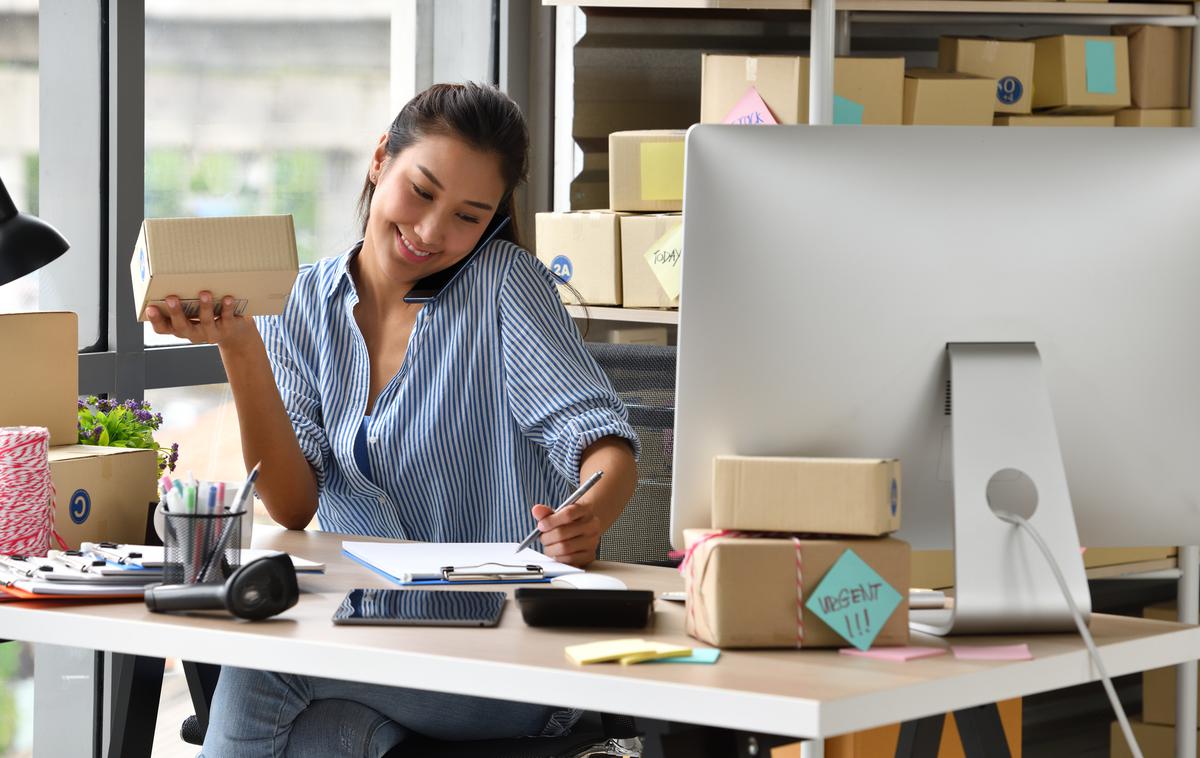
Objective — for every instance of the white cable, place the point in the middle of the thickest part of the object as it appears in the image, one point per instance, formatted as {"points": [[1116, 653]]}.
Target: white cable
{"points": [[1012, 518]]}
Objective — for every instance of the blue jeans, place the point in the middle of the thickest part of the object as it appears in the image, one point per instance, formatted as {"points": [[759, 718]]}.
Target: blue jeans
{"points": [[261, 713]]}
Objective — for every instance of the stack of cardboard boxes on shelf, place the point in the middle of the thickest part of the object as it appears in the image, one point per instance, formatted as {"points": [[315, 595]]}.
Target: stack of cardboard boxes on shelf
{"points": [[629, 254]]}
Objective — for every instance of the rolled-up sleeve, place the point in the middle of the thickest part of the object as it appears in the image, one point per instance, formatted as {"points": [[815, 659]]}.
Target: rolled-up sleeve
{"points": [[558, 394], [295, 377]]}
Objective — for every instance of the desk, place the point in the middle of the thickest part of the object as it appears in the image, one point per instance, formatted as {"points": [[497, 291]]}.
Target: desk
{"points": [[807, 694]]}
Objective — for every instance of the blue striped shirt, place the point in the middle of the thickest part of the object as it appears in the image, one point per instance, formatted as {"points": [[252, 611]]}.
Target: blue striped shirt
{"points": [[493, 405]]}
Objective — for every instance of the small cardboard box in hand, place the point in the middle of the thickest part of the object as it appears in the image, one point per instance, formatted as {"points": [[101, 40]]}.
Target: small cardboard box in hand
{"points": [[251, 258]]}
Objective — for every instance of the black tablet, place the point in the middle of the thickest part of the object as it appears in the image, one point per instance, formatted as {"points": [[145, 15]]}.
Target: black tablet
{"points": [[549, 606], [420, 607]]}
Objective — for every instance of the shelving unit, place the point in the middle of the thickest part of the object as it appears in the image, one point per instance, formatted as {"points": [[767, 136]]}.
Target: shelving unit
{"points": [[904, 6], [625, 315]]}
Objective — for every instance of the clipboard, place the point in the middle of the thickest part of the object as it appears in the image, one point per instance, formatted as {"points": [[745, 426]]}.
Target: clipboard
{"points": [[417, 564]]}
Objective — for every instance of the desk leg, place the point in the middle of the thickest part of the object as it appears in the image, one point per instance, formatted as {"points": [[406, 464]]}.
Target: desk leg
{"points": [[136, 688], [920, 738], [1185, 673], [982, 732]]}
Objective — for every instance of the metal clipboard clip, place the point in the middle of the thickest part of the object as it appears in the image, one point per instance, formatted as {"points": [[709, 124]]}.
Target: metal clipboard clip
{"points": [[493, 572]]}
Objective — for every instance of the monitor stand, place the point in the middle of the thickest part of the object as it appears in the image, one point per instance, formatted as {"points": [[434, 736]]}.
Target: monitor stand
{"points": [[1003, 427]]}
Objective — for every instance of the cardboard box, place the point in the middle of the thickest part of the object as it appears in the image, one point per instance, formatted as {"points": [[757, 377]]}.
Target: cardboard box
{"points": [[645, 170], [847, 496], [102, 493], [1051, 120], [583, 248], [866, 90], [44, 393], [640, 286], [1158, 685], [947, 97], [1155, 740], [742, 591], [1096, 557], [1009, 63], [778, 79], [1081, 74], [252, 258], [933, 569], [1159, 117], [639, 335], [882, 741], [1160, 66]]}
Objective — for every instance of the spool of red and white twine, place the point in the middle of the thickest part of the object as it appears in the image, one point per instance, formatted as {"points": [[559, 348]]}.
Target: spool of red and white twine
{"points": [[26, 491]]}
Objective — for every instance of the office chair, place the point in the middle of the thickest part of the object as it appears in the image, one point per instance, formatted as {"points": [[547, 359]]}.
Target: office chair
{"points": [[644, 378]]}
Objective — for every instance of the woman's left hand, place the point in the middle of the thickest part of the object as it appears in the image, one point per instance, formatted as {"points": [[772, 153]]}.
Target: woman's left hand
{"points": [[571, 535]]}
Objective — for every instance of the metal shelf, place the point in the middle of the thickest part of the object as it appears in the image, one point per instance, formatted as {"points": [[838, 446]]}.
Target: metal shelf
{"points": [[626, 315], [999, 7]]}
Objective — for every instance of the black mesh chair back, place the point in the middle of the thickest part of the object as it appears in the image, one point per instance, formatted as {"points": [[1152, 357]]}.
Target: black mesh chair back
{"points": [[644, 378]]}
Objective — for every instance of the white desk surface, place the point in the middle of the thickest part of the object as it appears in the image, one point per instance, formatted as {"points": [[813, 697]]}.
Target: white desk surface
{"points": [[813, 693]]}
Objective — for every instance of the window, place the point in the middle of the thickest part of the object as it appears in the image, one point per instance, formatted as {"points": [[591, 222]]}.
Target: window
{"points": [[19, 129]]}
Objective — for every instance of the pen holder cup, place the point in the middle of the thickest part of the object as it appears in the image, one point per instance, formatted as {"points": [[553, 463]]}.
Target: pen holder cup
{"points": [[201, 548]]}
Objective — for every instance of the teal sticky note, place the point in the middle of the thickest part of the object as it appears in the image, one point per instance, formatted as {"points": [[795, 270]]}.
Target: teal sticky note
{"points": [[854, 600], [699, 655], [1101, 62], [846, 111]]}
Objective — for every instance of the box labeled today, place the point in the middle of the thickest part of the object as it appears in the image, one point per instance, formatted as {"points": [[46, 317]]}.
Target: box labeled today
{"points": [[948, 97], [848, 496], [1009, 63], [1081, 74], [745, 591], [251, 258], [645, 170], [583, 249], [644, 280], [866, 90], [1160, 66]]}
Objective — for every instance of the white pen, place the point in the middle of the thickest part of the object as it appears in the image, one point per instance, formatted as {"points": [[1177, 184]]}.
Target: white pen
{"points": [[583, 488]]}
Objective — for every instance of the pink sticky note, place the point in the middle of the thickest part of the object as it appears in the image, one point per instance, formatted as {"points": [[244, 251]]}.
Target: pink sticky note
{"points": [[750, 110], [992, 652], [900, 654]]}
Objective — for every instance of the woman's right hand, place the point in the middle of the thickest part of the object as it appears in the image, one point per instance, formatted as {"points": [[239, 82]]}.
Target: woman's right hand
{"points": [[227, 330]]}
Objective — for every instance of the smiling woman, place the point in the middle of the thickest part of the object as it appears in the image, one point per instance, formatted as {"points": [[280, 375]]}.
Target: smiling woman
{"points": [[458, 418]]}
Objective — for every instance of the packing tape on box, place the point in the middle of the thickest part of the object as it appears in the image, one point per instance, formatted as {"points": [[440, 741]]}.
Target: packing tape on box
{"points": [[687, 569], [751, 69]]}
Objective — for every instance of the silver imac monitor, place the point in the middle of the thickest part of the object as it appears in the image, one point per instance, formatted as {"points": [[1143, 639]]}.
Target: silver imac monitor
{"points": [[836, 280]]}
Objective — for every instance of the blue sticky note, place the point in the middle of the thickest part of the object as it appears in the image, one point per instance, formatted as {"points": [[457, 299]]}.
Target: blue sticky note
{"points": [[699, 655], [846, 111], [854, 600], [1101, 61]]}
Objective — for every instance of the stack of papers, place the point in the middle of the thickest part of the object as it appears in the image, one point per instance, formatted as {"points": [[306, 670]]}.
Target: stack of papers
{"points": [[627, 651], [100, 571]]}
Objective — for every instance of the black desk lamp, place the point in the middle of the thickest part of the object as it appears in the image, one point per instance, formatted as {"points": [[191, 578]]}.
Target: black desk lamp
{"points": [[26, 242]]}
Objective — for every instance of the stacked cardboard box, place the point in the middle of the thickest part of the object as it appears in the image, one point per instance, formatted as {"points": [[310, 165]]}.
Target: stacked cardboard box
{"points": [[947, 98], [1160, 76], [101, 493], [775, 569]]}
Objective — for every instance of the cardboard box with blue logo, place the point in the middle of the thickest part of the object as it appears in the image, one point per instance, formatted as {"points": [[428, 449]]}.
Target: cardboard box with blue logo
{"points": [[583, 249], [101, 493]]}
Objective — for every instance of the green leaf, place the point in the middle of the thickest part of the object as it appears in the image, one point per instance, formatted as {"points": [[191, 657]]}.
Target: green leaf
{"points": [[103, 441]]}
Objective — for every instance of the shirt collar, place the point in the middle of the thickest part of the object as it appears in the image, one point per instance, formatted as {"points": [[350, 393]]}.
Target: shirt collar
{"points": [[341, 272]]}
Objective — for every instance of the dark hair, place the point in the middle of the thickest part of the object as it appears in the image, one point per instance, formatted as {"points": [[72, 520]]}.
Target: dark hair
{"points": [[480, 115]]}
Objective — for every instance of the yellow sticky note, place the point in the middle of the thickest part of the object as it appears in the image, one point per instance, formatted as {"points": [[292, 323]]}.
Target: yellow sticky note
{"points": [[660, 651], [606, 650], [662, 170], [665, 257]]}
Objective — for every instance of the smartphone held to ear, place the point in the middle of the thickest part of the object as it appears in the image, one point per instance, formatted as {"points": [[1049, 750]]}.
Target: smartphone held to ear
{"points": [[429, 287]]}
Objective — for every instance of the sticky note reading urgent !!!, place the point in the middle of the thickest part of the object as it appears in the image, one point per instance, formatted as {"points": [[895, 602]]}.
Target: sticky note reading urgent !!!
{"points": [[665, 257], [854, 600], [1101, 62], [662, 170], [750, 110]]}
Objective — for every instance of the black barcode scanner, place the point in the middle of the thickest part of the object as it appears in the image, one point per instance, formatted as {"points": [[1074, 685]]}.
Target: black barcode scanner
{"points": [[260, 589]]}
